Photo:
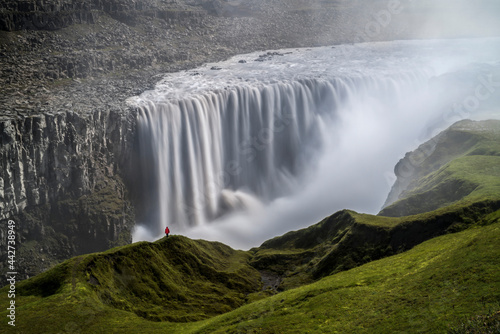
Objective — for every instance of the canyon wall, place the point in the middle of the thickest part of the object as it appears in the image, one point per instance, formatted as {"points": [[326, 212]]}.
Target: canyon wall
{"points": [[53, 15], [62, 183]]}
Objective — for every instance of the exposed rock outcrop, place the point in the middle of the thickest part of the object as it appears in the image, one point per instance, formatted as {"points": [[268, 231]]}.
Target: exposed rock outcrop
{"points": [[47, 157], [61, 182]]}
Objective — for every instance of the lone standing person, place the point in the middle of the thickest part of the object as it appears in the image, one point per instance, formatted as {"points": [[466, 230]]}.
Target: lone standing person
{"points": [[167, 231]]}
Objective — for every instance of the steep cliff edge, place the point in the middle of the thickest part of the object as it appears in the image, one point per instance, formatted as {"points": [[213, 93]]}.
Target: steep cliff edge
{"points": [[61, 182], [457, 166]]}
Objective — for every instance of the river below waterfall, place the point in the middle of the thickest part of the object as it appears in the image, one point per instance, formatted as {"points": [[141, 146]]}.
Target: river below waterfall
{"points": [[263, 143]]}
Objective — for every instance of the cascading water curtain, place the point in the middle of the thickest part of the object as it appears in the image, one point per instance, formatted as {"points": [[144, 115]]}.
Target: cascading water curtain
{"points": [[213, 153]]}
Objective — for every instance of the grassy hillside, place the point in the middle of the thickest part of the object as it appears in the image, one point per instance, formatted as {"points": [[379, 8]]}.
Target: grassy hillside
{"points": [[171, 284], [460, 166], [348, 239], [174, 279], [435, 286], [350, 273]]}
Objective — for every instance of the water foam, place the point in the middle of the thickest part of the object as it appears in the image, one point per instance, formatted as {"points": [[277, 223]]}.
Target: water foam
{"points": [[254, 142]]}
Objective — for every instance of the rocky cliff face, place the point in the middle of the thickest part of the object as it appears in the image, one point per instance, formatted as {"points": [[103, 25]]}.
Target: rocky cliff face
{"points": [[61, 182], [47, 157], [53, 15]]}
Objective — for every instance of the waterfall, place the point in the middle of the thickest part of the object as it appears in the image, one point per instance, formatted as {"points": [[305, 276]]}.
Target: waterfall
{"points": [[215, 152]]}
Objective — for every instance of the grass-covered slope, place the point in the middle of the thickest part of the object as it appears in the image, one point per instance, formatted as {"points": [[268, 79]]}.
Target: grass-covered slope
{"points": [[156, 287], [174, 279], [350, 273], [348, 239], [459, 166], [431, 288]]}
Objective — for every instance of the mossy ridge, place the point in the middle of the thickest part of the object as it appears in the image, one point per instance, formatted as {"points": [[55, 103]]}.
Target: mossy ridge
{"points": [[183, 280], [348, 239], [427, 289], [465, 179], [463, 166], [174, 279]]}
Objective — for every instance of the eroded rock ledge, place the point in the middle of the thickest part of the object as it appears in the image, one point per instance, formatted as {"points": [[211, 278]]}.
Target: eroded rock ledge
{"points": [[62, 184]]}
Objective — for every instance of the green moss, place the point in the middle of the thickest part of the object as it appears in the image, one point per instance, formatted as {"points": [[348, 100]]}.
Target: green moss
{"points": [[47, 283], [463, 168], [350, 273], [174, 279], [487, 323], [156, 287], [348, 239], [427, 289]]}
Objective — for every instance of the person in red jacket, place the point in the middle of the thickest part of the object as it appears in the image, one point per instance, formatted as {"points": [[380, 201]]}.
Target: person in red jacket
{"points": [[167, 231]]}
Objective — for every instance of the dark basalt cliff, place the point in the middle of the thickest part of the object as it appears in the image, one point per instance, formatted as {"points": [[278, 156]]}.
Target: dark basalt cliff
{"points": [[53, 156], [61, 183], [53, 15]]}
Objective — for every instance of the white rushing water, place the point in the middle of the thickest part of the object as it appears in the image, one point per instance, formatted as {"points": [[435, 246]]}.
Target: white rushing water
{"points": [[245, 149]]}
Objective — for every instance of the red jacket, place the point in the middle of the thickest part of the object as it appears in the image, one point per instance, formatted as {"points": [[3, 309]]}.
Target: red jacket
{"points": [[167, 231]]}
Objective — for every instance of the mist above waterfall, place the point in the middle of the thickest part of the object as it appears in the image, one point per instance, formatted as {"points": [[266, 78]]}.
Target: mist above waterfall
{"points": [[263, 143]]}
